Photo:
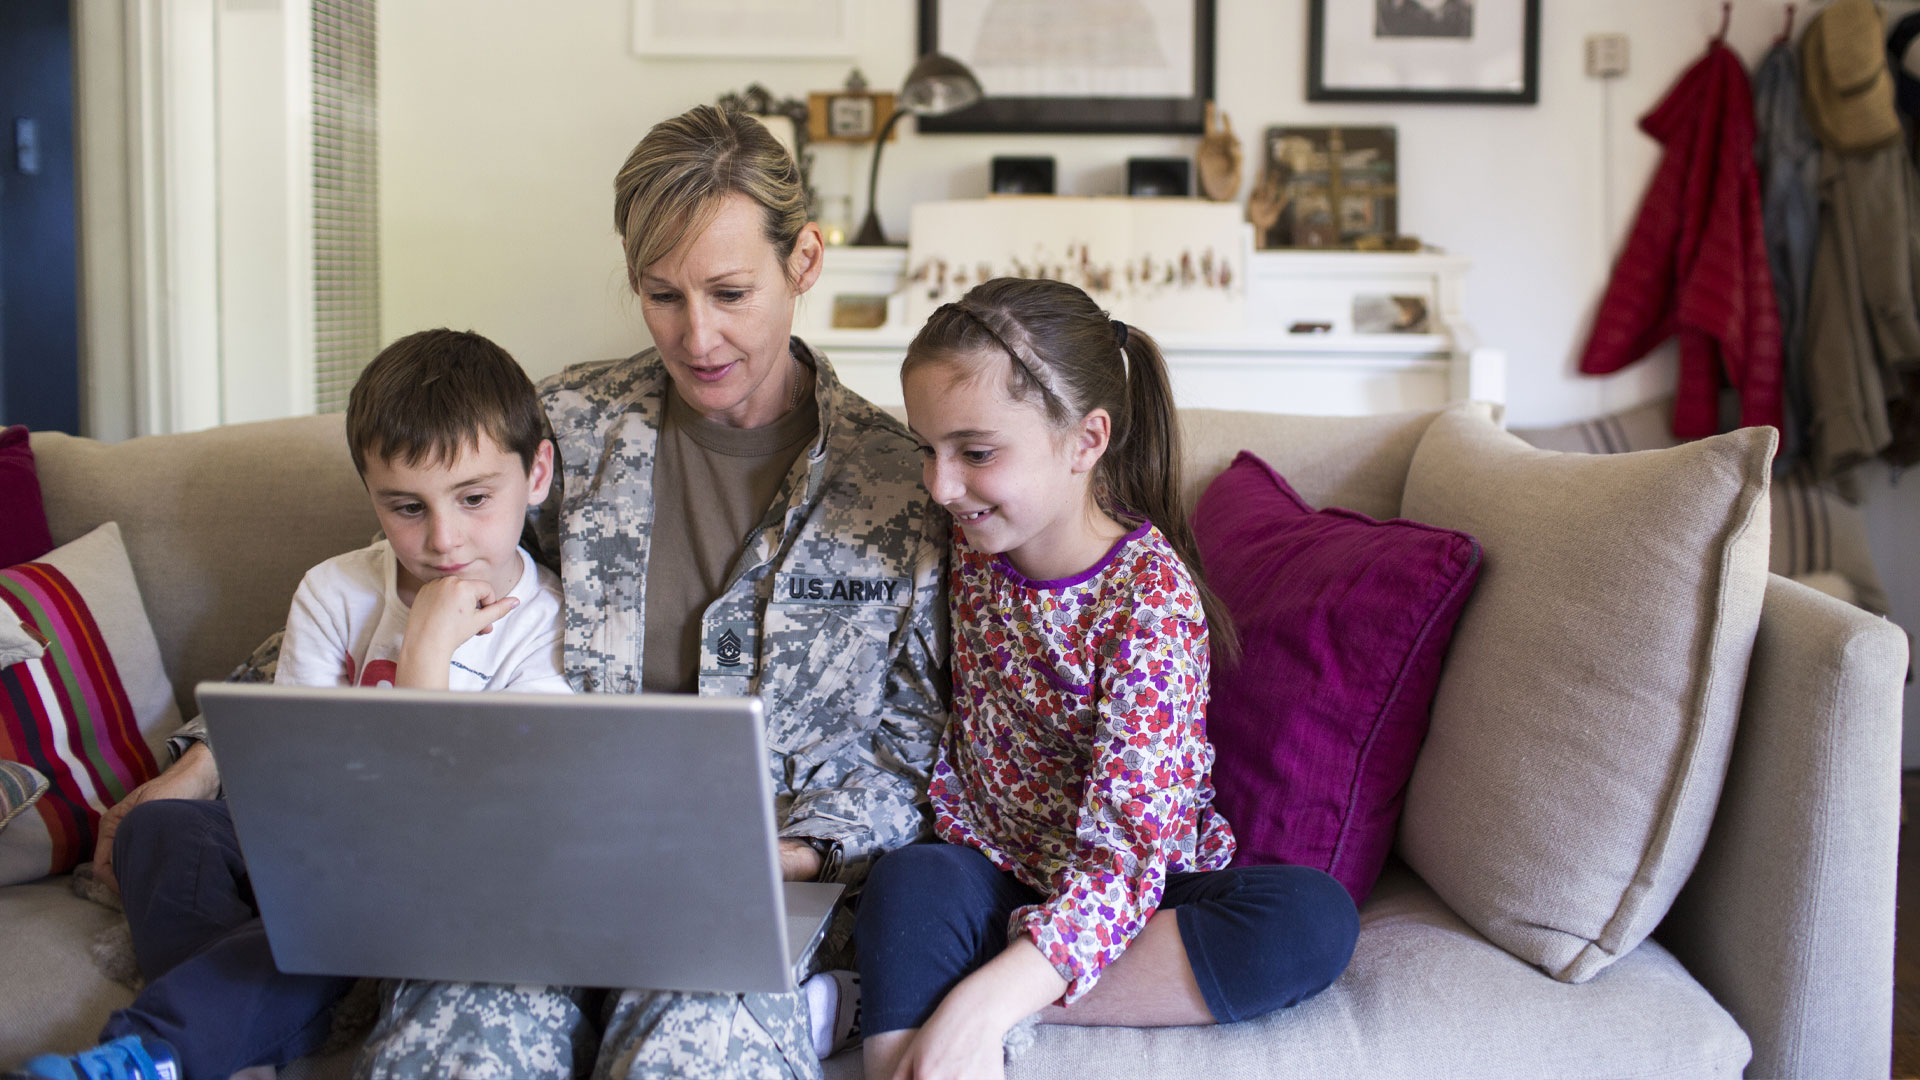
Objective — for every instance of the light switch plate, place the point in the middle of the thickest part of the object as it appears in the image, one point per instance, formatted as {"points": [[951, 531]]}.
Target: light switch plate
{"points": [[26, 146], [1606, 55]]}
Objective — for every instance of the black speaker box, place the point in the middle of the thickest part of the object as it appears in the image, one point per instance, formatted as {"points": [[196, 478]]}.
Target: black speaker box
{"points": [[1023, 176], [1160, 176]]}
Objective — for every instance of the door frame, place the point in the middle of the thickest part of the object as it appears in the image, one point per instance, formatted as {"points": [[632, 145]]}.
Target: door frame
{"points": [[194, 124]]}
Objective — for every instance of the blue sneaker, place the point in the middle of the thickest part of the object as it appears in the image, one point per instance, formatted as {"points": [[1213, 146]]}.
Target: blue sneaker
{"points": [[125, 1058]]}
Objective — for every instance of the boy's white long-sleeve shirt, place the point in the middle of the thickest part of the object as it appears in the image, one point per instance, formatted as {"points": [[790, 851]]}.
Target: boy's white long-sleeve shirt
{"points": [[347, 624]]}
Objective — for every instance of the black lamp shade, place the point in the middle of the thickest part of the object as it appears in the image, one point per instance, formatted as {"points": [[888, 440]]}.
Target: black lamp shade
{"points": [[937, 85]]}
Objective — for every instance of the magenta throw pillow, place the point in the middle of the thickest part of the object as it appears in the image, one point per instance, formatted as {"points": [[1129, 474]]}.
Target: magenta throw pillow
{"points": [[24, 538], [1343, 623]]}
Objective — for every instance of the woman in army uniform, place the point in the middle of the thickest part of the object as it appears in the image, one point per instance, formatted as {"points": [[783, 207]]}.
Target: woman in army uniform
{"points": [[728, 519]]}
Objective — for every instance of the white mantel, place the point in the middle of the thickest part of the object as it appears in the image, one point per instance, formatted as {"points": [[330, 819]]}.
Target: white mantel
{"points": [[1261, 365]]}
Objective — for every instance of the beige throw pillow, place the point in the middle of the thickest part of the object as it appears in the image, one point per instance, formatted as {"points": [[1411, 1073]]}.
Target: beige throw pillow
{"points": [[1585, 715], [1818, 530]]}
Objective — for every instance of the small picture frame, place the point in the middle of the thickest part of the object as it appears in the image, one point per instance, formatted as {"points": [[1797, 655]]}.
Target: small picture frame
{"points": [[1326, 187], [859, 311], [848, 116], [1378, 313]]}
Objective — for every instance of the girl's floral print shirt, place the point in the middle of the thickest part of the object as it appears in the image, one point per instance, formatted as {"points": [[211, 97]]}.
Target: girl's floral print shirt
{"points": [[1076, 755]]}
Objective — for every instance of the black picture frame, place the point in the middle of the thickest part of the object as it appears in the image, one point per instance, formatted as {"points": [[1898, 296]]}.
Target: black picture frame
{"points": [[1318, 90], [1082, 115]]}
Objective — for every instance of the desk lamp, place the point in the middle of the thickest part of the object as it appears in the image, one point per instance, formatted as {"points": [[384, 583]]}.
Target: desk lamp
{"points": [[937, 85]]}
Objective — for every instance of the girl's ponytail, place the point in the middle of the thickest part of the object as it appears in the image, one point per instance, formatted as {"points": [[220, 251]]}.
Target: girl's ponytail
{"points": [[1140, 473], [1068, 358]]}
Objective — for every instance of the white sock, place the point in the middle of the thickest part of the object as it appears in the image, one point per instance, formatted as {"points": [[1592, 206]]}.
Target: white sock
{"points": [[823, 1002], [833, 1010]]}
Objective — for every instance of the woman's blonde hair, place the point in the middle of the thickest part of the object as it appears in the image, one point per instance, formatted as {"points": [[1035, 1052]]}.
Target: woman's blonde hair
{"points": [[674, 181]]}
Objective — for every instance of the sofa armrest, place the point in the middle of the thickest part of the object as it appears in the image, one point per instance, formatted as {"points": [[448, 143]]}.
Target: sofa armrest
{"points": [[1788, 919]]}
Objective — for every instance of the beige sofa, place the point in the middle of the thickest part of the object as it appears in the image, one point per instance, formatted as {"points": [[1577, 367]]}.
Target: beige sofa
{"points": [[1776, 959]]}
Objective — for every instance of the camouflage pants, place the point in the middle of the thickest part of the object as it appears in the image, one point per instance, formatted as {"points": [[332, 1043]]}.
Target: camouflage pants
{"points": [[440, 1031]]}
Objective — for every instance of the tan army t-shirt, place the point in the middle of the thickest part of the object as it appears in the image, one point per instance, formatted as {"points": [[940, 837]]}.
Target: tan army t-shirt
{"points": [[711, 485]]}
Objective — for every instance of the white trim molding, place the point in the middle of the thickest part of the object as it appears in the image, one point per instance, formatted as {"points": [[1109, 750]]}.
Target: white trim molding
{"points": [[196, 200]]}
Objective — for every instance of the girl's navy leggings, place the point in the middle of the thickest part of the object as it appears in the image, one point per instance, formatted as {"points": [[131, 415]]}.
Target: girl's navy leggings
{"points": [[1258, 938]]}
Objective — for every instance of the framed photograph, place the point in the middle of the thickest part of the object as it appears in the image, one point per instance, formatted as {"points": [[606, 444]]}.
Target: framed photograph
{"points": [[1471, 52], [1326, 187], [770, 29], [849, 116], [1077, 66], [1375, 313]]}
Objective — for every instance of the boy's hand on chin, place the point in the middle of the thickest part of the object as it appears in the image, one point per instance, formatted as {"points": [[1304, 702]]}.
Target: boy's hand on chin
{"points": [[450, 610], [446, 612]]}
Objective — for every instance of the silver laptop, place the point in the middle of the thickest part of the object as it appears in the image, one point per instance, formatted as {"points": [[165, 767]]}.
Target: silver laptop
{"points": [[598, 840]]}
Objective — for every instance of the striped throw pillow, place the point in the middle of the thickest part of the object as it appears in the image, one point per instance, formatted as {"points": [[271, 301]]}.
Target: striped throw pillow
{"points": [[93, 713], [20, 787]]}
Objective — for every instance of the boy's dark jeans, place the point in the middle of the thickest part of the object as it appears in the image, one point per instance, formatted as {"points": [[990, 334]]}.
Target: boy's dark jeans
{"points": [[212, 991]]}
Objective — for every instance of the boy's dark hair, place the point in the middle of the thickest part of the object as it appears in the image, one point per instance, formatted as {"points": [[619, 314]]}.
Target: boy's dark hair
{"points": [[430, 395]]}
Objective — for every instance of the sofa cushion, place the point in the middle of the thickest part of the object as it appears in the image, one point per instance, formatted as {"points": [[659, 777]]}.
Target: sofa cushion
{"points": [[25, 536], [93, 714], [1343, 621], [1584, 720], [1359, 462], [54, 997], [1648, 426], [1426, 997]]}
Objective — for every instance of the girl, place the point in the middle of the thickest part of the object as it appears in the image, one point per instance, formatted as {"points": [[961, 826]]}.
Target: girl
{"points": [[1071, 788]]}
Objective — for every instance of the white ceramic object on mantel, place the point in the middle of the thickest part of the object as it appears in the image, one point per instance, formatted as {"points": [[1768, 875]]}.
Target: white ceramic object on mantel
{"points": [[1262, 364], [1176, 264]]}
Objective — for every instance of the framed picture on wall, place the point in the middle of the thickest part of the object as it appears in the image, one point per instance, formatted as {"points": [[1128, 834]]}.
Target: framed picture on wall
{"points": [[849, 115], [1481, 52], [1326, 187], [779, 29], [1077, 66]]}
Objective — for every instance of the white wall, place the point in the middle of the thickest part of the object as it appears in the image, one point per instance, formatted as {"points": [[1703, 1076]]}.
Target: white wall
{"points": [[503, 122]]}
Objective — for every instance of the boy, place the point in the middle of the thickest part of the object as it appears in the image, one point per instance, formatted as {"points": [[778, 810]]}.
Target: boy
{"points": [[449, 439]]}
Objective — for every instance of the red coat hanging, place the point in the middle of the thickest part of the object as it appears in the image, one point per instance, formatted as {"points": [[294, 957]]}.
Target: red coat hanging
{"points": [[1696, 264]]}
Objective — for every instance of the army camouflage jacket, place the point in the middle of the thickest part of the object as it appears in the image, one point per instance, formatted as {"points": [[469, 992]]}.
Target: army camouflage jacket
{"points": [[835, 614]]}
